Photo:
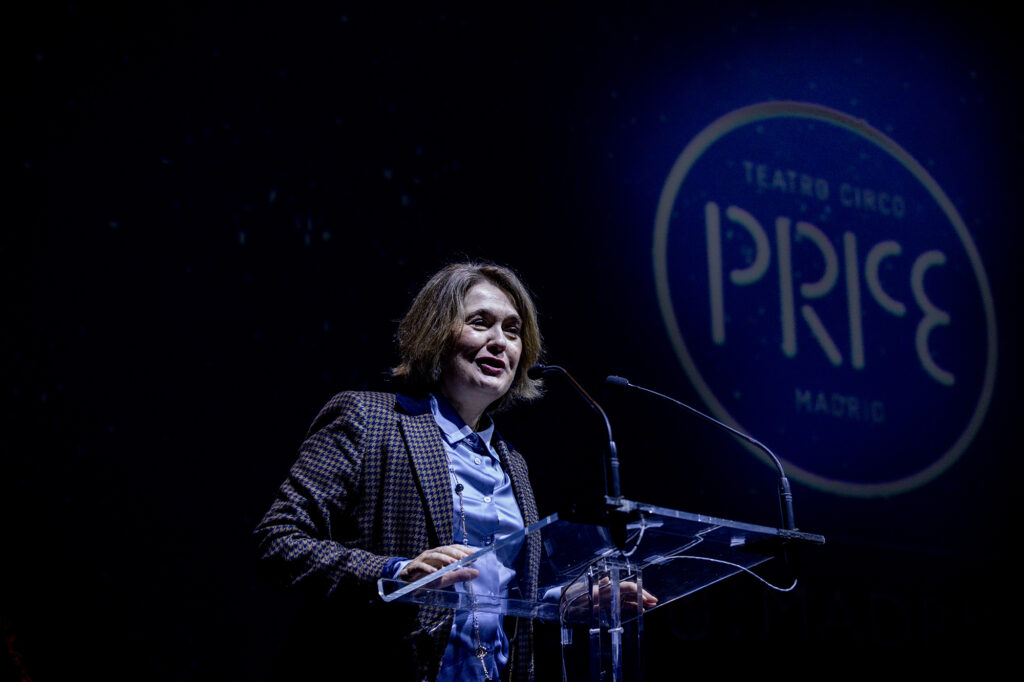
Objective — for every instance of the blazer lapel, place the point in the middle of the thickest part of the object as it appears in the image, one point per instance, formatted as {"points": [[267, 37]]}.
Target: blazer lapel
{"points": [[517, 473], [430, 467], [520, 482]]}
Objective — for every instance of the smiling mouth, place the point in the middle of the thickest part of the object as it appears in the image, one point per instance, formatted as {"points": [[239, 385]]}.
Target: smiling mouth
{"points": [[492, 366]]}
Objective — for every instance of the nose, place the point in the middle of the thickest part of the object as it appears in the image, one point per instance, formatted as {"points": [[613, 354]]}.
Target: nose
{"points": [[496, 340]]}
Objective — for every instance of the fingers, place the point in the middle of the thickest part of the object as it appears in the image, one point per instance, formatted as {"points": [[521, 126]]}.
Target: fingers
{"points": [[459, 575], [436, 558], [627, 593], [575, 603]]}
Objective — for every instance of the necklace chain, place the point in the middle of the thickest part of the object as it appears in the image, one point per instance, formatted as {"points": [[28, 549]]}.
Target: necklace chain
{"points": [[481, 650]]}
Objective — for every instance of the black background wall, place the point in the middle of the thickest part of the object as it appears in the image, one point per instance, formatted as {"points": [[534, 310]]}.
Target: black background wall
{"points": [[219, 211]]}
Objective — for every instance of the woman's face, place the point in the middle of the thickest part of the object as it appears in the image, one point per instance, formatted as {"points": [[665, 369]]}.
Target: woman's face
{"points": [[488, 344]]}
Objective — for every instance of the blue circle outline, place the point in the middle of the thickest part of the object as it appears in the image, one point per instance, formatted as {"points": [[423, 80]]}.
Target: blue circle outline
{"points": [[792, 109]]}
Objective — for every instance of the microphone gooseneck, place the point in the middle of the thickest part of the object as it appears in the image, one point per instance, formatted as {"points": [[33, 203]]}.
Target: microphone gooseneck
{"points": [[612, 470], [785, 494]]}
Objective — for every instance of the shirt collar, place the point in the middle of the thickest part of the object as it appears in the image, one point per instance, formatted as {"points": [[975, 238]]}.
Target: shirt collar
{"points": [[452, 425]]}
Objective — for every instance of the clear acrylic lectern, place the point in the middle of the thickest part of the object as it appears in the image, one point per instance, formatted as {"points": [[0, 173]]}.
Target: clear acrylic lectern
{"points": [[594, 564]]}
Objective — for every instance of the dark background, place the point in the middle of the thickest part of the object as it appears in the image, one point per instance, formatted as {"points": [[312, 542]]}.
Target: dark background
{"points": [[219, 211]]}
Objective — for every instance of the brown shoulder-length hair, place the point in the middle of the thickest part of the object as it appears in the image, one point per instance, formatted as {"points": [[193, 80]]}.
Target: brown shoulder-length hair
{"points": [[427, 333]]}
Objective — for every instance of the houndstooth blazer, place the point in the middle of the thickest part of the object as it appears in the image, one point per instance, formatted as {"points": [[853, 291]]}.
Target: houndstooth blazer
{"points": [[371, 483]]}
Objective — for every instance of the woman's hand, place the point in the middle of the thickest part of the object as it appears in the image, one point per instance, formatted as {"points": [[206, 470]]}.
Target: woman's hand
{"points": [[575, 604], [631, 599], [433, 560]]}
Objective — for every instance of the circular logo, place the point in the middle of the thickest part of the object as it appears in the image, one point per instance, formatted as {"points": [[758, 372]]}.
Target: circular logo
{"points": [[824, 295]]}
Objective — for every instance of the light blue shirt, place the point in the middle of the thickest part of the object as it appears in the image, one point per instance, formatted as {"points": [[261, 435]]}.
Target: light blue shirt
{"points": [[491, 513]]}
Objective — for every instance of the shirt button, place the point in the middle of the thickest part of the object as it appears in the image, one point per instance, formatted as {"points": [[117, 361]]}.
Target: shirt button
{"points": [[487, 499], [476, 459]]}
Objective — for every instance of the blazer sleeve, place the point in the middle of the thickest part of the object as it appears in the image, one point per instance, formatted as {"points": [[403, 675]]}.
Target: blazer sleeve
{"points": [[310, 538]]}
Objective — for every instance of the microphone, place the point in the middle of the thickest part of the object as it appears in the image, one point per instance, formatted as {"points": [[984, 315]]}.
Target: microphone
{"points": [[537, 371], [612, 474], [785, 494]]}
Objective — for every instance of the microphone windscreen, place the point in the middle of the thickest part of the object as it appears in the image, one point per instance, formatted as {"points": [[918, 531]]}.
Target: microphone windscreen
{"points": [[618, 381], [536, 371]]}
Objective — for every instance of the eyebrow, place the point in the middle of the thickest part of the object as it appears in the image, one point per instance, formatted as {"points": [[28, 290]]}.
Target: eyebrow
{"points": [[487, 311]]}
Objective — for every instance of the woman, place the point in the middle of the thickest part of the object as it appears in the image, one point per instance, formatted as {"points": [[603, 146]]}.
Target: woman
{"points": [[401, 485]]}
